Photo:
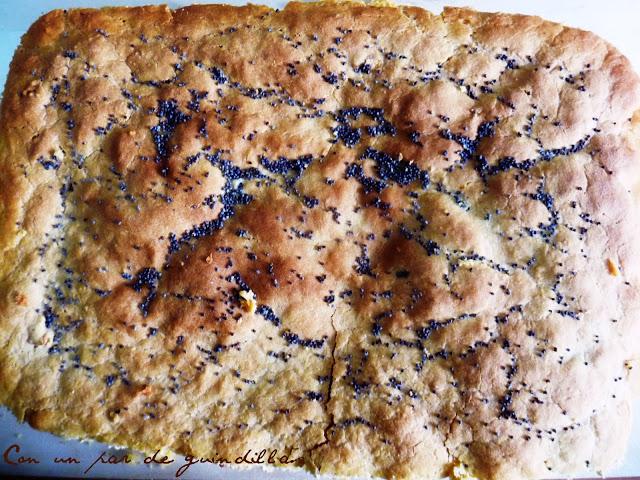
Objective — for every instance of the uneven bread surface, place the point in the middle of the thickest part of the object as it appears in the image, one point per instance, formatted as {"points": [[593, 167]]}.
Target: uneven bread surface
{"points": [[391, 240]]}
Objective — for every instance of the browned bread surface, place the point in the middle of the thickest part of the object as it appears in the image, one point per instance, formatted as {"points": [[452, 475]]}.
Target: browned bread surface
{"points": [[436, 216]]}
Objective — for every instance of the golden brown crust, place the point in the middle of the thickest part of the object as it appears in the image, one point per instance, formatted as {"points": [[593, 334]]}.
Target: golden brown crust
{"points": [[433, 212]]}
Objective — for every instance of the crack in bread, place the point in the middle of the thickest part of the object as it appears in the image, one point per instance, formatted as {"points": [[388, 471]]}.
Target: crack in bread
{"points": [[403, 244]]}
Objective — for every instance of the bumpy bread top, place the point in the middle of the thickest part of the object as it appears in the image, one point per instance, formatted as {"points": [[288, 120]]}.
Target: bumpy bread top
{"points": [[392, 240]]}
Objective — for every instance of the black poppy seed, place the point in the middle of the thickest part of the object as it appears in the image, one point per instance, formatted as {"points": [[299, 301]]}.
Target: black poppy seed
{"points": [[349, 136], [53, 163], [170, 117], [268, 314], [146, 277], [363, 68], [314, 396], [293, 339], [310, 202], [50, 317], [218, 75], [402, 172]]}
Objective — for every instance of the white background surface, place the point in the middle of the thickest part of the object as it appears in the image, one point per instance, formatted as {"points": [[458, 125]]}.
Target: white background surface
{"points": [[615, 20]]}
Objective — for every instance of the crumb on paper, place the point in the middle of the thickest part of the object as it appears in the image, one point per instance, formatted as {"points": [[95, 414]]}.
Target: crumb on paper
{"points": [[248, 301]]}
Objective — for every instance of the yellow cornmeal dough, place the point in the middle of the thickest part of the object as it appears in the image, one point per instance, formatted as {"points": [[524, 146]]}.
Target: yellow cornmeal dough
{"points": [[421, 207]]}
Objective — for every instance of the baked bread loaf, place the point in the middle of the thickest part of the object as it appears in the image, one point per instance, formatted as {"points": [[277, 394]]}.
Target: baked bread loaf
{"points": [[395, 242]]}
